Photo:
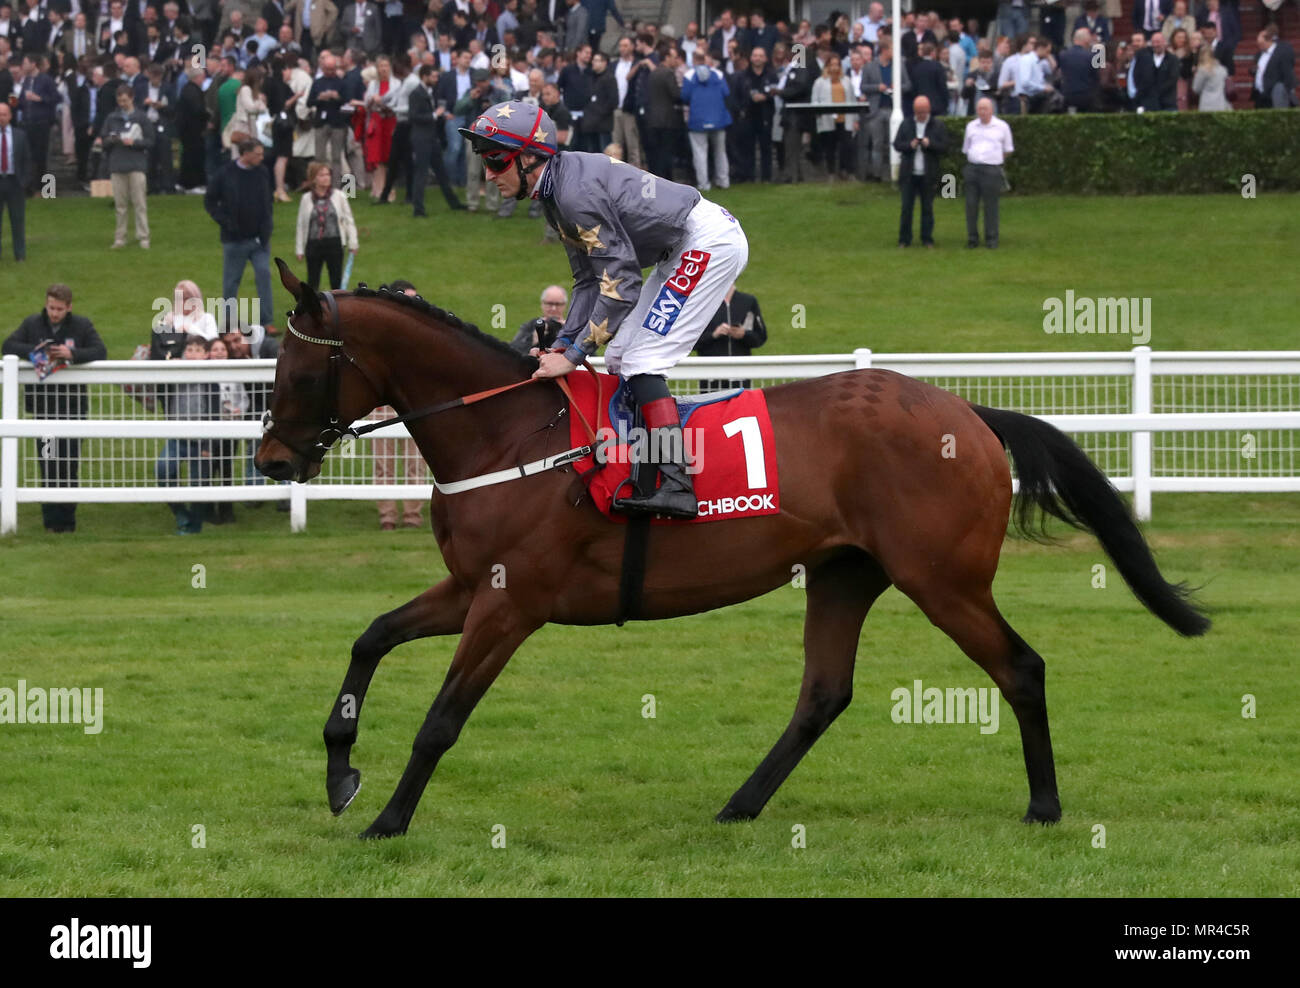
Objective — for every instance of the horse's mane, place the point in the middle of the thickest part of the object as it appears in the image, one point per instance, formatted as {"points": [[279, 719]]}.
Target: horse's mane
{"points": [[427, 308]]}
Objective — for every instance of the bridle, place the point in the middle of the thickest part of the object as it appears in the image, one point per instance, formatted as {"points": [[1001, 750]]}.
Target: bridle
{"points": [[335, 431]]}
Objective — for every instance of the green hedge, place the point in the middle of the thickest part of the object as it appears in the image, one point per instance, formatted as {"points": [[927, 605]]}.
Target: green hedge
{"points": [[1147, 153]]}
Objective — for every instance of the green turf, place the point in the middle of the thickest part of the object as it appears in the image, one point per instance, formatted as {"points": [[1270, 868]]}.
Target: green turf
{"points": [[215, 699], [828, 249]]}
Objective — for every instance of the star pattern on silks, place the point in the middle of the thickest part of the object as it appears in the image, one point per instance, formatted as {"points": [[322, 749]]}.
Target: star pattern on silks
{"points": [[505, 111], [590, 238], [600, 334], [540, 135], [609, 286]]}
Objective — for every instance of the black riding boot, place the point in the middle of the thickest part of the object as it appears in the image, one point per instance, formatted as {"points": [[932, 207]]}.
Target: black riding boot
{"points": [[675, 495]]}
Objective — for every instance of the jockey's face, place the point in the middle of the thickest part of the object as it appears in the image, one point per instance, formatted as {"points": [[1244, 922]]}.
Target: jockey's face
{"points": [[508, 181]]}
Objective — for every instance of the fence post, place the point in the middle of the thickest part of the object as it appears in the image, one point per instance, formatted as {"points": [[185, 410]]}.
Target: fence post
{"points": [[1141, 441], [297, 507], [861, 358], [9, 449]]}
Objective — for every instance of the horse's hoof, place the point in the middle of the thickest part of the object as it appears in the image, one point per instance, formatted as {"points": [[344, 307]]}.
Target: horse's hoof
{"points": [[379, 830], [730, 814], [1045, 816], [342, 793]]}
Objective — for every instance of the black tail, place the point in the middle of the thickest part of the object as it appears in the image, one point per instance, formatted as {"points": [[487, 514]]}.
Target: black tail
{"points": [[1057, 478]]}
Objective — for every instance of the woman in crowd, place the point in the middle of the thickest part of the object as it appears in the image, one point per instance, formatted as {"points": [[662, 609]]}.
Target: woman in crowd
{"points": [[381, 122], [249, 105], [188, 317], [832, 130], [1210, 81], [399, 99], [280, 100], [1180, 48], [325, 227], [232, 399]]}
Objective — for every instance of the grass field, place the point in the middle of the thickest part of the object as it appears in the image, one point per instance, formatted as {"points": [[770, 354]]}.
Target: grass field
{"points": [[215, 697], [830, 249]]}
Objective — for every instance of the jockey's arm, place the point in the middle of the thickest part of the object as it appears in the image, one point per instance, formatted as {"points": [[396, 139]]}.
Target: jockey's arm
{"points": [[606, 283]]}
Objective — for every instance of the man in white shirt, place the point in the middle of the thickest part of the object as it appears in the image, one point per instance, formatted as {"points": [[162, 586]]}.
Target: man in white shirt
{"points": [[626, 133], [986, 144], [873, 22]]}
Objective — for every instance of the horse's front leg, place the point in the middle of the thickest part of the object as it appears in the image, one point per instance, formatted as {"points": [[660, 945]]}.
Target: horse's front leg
{"points": [[440, 610], [494, 629]]}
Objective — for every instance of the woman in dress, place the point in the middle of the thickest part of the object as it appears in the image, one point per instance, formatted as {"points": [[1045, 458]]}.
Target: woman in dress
{"points": [[249, 105], [381, 121]]}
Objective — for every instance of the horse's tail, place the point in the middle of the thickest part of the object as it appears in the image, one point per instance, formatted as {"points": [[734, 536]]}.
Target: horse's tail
{"points": [[1058, 479]]}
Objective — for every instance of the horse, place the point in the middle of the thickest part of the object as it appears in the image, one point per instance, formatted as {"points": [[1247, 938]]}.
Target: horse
{"points": [[883, 480]]}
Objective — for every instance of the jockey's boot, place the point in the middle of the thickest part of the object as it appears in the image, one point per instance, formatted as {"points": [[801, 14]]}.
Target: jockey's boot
{"points": [[675, 495]]}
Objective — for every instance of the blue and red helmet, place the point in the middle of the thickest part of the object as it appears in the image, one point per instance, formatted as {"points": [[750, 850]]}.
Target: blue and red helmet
{"points": [[505, 131]]}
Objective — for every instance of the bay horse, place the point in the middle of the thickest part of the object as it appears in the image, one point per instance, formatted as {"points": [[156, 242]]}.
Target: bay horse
{"points": [[883, 480]]}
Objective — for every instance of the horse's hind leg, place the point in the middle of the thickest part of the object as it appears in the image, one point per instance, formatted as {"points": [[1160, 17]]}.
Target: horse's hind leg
{"points": [[440, 610], [840, 592], [972, 620]]}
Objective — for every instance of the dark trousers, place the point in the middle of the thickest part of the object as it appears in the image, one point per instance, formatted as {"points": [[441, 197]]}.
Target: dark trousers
{"points": [[836, 148], [82, 140], [306, 44], [912, 187], [983, 183], [659, 151], [13, 197], [399, 160], [39, 136], [161, 178], [193, 170], [59, 466], [327, 251], [756, 133], [428, 154]]}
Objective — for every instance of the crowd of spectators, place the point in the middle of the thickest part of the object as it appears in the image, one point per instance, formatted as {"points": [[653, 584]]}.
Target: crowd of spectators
{"points": [[155, 95]]}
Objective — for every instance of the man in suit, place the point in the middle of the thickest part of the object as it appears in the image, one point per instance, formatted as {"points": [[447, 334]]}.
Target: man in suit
{"points": [[663, 113], [313, 21], [598, 12], [81, 98], [273, 14], [915, 38], [15, 172], [576, 21], [1079, 80], [1097, 24], [727, 32], [794, 84], [929, 80], [427, 120], [78, 40], [882, 77], [1148, 15], [38, 102], [361, 27], [1155, 75], [921, 140], [1274, 71], [761, 34]]}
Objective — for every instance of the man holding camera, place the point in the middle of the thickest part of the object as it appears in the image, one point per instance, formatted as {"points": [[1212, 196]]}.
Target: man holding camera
{"points": [[542, 331]]}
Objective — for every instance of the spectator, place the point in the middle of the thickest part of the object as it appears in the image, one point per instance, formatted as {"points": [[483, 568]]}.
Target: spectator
{"points": [[1180, 48], [663, 113], [912, 40], [1098, 25], [986, 144], [361, 27], [326, 99], [61, 336], [38, 102], [598, 13], [386, 454], [577, 23], [191, 125], [1155, 75], [296, 109], [628, 71], [705, 93], [597, 124], [314, 21], [232, 404], [325, 227], [1209, 81], [249, 105], [1079, 78], [239, 200], [921, 141], [127, 138], [736, 330], [1013, 17], [834, 139], [1179, 20], [541, 332], [161, 114], [1274, 71], [755, 109], [15, 169], [188, 317], [879, 84], [982, 79], [1147, 16], [189, 400], [398, 101], [380, 124], [873, 21], [427, 114], [474, 103], [929, 79]]}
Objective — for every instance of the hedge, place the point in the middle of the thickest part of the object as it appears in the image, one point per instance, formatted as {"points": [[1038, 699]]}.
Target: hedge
{"points": [[1146, 153]]}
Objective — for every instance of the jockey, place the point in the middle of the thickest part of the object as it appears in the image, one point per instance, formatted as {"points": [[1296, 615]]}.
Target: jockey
{"points": [[614, 220]]}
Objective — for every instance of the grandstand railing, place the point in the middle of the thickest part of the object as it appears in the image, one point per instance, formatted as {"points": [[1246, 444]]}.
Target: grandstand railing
{"points": [[1153, 421]]}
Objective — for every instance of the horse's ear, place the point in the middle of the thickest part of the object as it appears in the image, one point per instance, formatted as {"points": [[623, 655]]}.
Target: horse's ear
{"points": [[304, 296]]}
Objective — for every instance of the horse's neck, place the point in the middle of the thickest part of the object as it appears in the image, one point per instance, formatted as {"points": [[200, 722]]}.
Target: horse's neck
{"points": [[473, 439]]}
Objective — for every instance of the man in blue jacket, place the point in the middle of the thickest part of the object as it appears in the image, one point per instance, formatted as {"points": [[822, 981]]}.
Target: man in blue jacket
{"points": [[705, 92], [598, 11]]}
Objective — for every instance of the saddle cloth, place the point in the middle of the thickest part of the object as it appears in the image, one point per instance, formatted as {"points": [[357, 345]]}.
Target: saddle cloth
{"points": [[731, 454]]}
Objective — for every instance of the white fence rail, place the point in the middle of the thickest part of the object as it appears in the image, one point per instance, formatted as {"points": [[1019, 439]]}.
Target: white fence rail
{"points": [[1153, 421]]}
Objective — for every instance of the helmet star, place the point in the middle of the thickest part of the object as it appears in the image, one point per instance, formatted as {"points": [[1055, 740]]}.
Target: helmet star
{"points": [[609, 286], [505, 111], [600, 334], [541, 135]]}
